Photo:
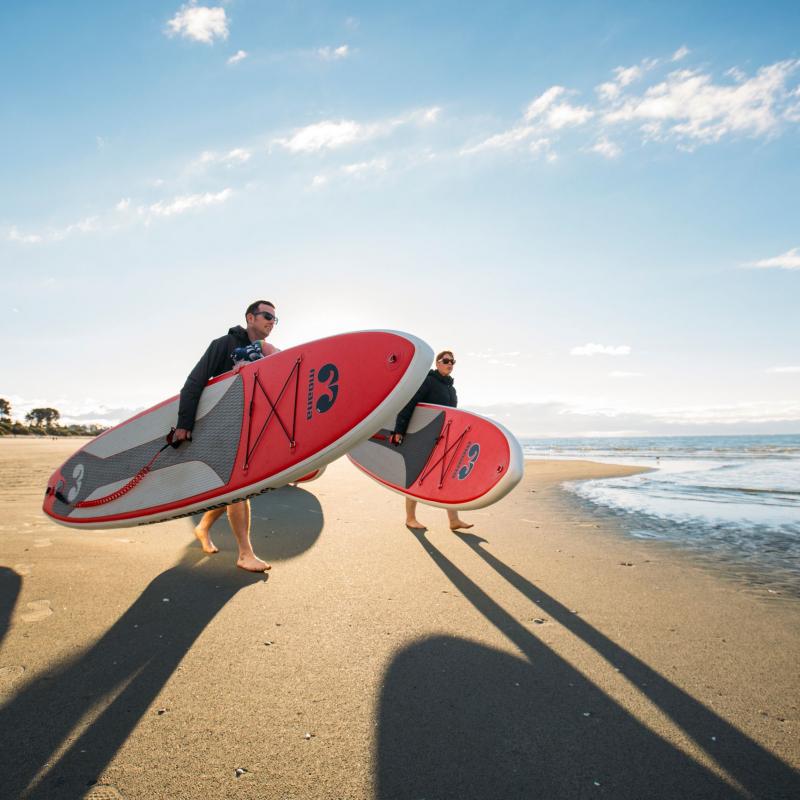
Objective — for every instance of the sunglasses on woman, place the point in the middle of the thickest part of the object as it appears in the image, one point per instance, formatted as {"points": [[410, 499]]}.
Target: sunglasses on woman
{"points": [[268, 316], [447, 360]]}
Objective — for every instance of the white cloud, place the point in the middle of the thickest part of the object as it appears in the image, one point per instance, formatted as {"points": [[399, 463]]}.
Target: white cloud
{"points": [[332, 134], [85, 225], [680, 53], [540, 104], [14, 235], [333, 53], [501, 141], [689, 105], [238, 155], [593, 349], [363, 167], [547, 112], [606, 148], [199, 23], [788, 260], [783, 370], [186, 202], [124, 204], [239, 55], [325, 135], [318, 181]]}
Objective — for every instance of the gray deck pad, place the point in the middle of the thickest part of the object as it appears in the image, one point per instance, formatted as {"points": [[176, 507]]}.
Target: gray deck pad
{"points": [[215, 440], [402, 465]]}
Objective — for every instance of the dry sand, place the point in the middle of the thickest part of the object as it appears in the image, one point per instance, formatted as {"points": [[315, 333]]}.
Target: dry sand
{"points": [[541, 655]]}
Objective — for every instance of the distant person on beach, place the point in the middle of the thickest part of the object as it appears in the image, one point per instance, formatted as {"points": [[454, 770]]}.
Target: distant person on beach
{"points": [[222, 355], [437, 388]]}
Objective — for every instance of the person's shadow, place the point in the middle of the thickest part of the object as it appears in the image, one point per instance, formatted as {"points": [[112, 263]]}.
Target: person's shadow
{"points": [[461, 720], [125, 669]]}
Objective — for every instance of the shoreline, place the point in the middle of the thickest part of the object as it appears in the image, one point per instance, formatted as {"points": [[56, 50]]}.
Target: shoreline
{"points": [[529, 654]]}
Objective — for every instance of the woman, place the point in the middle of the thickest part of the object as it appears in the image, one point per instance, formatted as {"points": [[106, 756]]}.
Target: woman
{"points": [[437, 388]]}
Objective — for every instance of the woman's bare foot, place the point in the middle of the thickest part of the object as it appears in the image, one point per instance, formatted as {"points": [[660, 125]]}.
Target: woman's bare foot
{"points": [[252, 563], [204, 538], [456, 524], [416, 524]]}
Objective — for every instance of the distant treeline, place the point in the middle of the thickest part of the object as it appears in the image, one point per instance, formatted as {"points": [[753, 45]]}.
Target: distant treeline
{"points": [[41, 422]]}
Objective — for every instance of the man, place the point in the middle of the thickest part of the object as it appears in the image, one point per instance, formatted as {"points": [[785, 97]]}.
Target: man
{"points": [[261, 319]]}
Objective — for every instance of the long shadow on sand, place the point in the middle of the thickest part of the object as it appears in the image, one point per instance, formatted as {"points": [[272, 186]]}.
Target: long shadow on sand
{"points": [[461, 720], [124, 671], [10, 585]]}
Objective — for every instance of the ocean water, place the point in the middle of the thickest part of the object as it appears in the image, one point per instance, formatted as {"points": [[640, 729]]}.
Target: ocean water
{"points": [[733, 501]]}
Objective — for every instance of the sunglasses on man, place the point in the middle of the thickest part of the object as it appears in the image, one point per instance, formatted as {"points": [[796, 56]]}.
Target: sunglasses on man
{"points": [[447, 360], [268, 316]]}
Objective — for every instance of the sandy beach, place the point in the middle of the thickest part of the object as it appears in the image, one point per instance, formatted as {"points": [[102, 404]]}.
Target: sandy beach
{"points": [[541, 654]]}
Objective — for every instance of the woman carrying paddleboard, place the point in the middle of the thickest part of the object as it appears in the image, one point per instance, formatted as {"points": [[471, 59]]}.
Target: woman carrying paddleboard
{"points": [[437, 388]]}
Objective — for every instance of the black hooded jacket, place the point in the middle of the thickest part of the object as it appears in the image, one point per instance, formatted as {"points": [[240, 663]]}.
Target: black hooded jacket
{"points": [[215, 361], [436, 388]]}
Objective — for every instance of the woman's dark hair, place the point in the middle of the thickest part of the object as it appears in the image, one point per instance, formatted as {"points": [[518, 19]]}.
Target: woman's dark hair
{"points": [[253, 307], [444, 353]]}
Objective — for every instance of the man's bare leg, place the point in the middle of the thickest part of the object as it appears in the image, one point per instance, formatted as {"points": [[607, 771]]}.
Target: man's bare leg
{"points": [[411, 515], [455, 522], [203, 530], [239, 519]]}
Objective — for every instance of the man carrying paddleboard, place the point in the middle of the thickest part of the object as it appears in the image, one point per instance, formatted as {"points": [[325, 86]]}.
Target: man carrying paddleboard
{"points": [[218, 358]]}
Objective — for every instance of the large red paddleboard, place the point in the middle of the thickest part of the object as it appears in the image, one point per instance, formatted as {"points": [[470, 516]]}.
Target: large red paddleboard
{"points": [[449, 458], [273, 422]]}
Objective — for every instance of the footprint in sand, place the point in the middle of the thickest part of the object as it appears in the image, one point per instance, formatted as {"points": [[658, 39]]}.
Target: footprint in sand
{"points": [[37, 611], [42, 542], [8, 675], [23, 569]]}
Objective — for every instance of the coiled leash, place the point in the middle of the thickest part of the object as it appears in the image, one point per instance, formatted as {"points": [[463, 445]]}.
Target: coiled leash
{"points": [[132, 483]]}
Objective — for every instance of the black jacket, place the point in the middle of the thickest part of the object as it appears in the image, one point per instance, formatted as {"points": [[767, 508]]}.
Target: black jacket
{"points": [[215, 361], [436, 388]]}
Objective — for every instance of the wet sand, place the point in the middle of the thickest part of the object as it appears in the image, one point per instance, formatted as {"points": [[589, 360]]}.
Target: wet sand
{"points": [[540, 655]]}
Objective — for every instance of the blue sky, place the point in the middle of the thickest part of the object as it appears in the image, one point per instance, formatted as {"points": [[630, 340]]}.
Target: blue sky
{"points": [[593, 204]]}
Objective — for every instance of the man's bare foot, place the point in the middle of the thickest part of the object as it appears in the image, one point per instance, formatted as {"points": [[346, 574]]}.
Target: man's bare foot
{"points": [[454, 526], [204, 538], [416, 524], [252, 564]]}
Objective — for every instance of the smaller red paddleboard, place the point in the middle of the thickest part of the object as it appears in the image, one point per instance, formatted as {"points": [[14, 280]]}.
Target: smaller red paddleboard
{"points": [[275, 421], [449, 458]]}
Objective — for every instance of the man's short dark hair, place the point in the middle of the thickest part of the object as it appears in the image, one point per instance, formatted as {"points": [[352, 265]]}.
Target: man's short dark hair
{"points": [[253, 307]]}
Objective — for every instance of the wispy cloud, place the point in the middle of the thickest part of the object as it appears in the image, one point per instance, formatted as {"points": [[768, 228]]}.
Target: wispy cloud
{"points": [[199, 23], [86, 225], [333, 134], [593, 349], [783, 370], [328, 53], [788, 260], [239, 155], [123, 211], [606, 148], [239, 55], [687, 107], [186, 202], [680, 53]]}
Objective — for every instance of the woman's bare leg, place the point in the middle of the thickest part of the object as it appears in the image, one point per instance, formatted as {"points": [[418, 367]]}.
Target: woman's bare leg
{"points": [[455, 522], [411, 514], [239, 519]]}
